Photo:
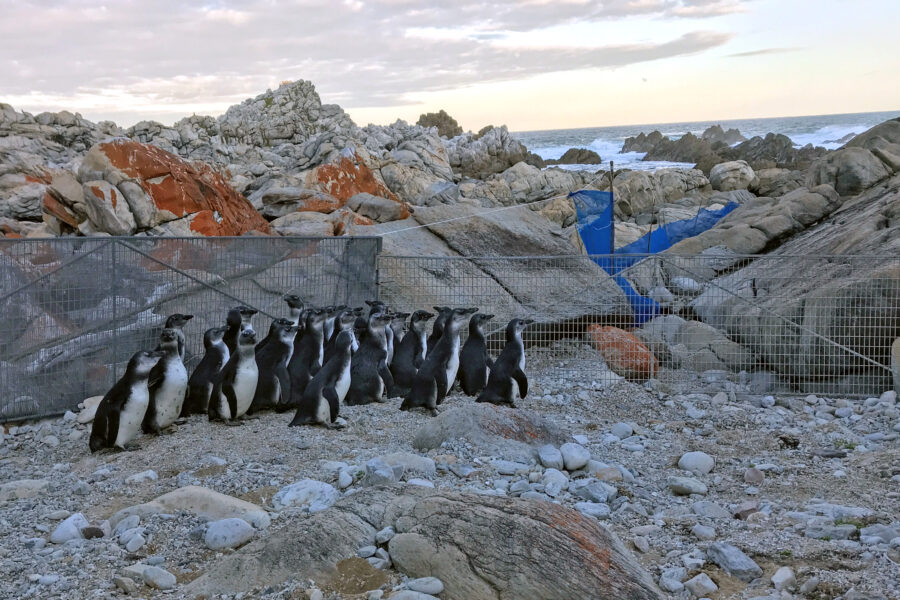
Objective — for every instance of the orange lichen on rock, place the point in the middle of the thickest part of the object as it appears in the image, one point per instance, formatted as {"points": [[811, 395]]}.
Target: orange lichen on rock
{"points": [[349, 177], [624, 353]]}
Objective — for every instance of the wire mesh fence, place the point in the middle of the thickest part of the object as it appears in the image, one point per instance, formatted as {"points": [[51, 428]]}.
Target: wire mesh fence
{"points": [[762, 324], [74, 310]]}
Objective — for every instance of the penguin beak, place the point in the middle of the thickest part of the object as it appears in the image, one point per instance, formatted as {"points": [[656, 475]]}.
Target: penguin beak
{"points": [[188, 317], [488, 317], [529, 321]]}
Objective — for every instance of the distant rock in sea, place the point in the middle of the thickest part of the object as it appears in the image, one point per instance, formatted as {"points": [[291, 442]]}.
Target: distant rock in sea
{"points": [[576, 156]]}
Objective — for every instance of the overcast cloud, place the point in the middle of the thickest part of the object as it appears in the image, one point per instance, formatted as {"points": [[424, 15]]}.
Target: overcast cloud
{"points": [[136, 55]]}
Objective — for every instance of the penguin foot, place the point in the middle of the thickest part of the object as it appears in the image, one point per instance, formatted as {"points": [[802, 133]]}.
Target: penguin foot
{"points": [[181, 421], [130, 448], [169, 430], [233, 423], [433, 412], [335, 425]]}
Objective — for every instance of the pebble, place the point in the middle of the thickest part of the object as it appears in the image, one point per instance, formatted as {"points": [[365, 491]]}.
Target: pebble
{"points": [[702, 532], [671, 579], [784, 579], [385, 535], [684, 486], [51, 440], [366, 551], [550, 457], [754, 476], [641, 543], [411, 595], [699, 463], [126, 584], [621, 430], [701, 585], [593, 509], [135, 542], [575, 456], [158, 578], [228, 533], [426, 585], [709, 509], [70, 529], [309, 494]]}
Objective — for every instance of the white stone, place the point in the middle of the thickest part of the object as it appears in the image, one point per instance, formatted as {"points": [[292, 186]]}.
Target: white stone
{"points": [[550, 457], [702, 532], [574, 456], [385, 535], [683, 486], [143, 476], [701, 585], [784, 579], [309, 494], [593, 509], [22, 488], [200, 501], [158, 578], [621, 430], [70, 529], [228, 533], [699, 463]]}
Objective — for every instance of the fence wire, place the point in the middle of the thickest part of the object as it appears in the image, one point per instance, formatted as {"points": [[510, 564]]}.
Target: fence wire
{"points": [[74, 310]]}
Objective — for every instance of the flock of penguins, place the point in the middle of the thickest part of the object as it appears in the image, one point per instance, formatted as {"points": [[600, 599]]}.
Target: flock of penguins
{"points": [[312, 363]]}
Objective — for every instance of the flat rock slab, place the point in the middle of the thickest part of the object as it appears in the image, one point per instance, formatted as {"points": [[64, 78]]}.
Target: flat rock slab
{"points": [[508, 432], [494, 548], [199, 501]]}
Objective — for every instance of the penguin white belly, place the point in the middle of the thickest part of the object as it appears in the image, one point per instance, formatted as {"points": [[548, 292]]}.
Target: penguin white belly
{"points": [[170, 396], [453, 365], [343, 383], [355, 343], [132, 415], [423, 344], [323, 410], [245, 381], [321, 355], [224, 407]]}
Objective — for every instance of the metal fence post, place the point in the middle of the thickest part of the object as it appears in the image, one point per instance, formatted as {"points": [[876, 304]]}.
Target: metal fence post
{"points": [[115, 317]]}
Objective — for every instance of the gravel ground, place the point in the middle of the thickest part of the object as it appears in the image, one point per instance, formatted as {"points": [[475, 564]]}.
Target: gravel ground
{"points": [[823, 469]]}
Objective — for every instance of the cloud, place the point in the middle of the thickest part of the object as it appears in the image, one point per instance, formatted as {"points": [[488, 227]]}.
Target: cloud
{"points": [[762, 51], [361, 54]]}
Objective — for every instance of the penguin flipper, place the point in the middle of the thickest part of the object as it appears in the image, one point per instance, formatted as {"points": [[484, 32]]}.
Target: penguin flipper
{"points": [[147, 423], [228, 392], [522, 380], [284, 381], [443, 386], [330, 394], [488, 360], [386, 376]]}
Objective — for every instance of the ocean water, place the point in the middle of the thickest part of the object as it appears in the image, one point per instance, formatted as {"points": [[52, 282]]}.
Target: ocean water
{"points": [[821, 130]]}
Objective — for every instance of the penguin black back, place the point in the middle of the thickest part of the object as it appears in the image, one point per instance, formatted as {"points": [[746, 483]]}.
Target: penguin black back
{"points": [[474, 360], [306, 358], [443, 313], [274, 382], [238, 318], [369, 373], [508, 372], [203, 378], [121, 411], [410, 352], [322, 398]]}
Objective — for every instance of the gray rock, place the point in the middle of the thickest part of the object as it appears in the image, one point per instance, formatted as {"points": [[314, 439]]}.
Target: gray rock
{"points": [[126, 584], [199, 501], [699, 463], [593, 509], [143, 476], [228, 533], [825, 529], [312, 495], [550, 457], [702, 532], [385, 535], [136, 541], [734, 175], [575, 456], [701, 585], [554, 482], [621, 430], [158, 578], [70, 529], [412, 595], [733, 561], [366, 551], [23, 488], [426, 585], [126, 524], [671, 579], [684, 486], [784, 579]]}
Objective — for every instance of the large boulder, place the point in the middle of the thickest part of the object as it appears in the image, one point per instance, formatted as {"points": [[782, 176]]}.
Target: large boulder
{"points": [[694, 345], [494, 152], [883, 141], [775, 182], [377, 208], [199, 501], [733, 175], [624, 352], [452, 537], [643, 192], [715, 133], [143, 187], [576, 156], [849, 170], [446, 125]]}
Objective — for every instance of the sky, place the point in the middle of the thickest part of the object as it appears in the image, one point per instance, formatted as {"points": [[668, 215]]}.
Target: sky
{"points": [[529, 64]]}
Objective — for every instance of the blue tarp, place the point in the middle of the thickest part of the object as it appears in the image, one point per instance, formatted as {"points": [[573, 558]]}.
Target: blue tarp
{"points": [[595, 226]]}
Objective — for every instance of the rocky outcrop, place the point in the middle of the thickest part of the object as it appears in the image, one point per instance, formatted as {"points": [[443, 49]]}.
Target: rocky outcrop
{"points": [[849, 170], [449, 536], [576, 156], [445, 124], [640, 192], [776, 182], [693, 345], [129, 186], [730, 176], [716, 133], [492, 153], [642, 142], [883, 141]]}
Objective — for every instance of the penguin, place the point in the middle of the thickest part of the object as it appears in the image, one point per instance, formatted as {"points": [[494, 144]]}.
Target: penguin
{"points": [[202, 380], [369, 373], [306, 359], [332, 313], [177, 322], [274, 383], [295, 305], [474, 360], [362, 323], [121, 411], [443, 313], [322, 399], [391, 334], [236, 385], [167, 385], [238, 320], [507, 376], [398, 324], [343, 322], [410, 352], [434, 378]]}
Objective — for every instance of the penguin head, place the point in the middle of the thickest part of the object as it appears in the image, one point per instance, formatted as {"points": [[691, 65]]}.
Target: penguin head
{"points": [[247, 338], [294, 301], [168, 338], [246, 313], [316, 316], [375, 306], [458, 316], [285, 329], [348, 317], [516, 327], [379, 319], [214, 335], [400, 319], [335, 311], [478, 320], [143, 362], [344, 341], [178, 320]]}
